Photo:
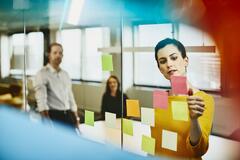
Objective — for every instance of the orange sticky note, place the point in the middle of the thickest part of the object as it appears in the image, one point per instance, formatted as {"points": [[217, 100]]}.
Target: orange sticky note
{"points": [[133, 109], [179, 84], [160, 99]]}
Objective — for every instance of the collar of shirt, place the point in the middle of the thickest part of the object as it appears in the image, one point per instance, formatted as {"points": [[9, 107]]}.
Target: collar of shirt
{"points": [[53, 70]]}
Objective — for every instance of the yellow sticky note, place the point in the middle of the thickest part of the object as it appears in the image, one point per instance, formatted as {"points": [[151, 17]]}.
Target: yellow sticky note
{"points": [[107, 63], [148, 144], [169, 140], [127, 127], [133, 109], [5, 97], [180, 110], [148, 116], [89, 118], [110, 119]]}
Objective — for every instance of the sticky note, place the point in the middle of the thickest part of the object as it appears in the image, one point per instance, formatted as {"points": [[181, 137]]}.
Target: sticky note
{"points": [[148, 144], [169, 140], [107, 63], [147, 116], [89, 118], [180, 110], [133, 109], [179, 84], [110, 119], [160, 99], [127, 127]]}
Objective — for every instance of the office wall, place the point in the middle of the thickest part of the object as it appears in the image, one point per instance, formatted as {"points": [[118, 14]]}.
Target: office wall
{"points": [[89, 95]]}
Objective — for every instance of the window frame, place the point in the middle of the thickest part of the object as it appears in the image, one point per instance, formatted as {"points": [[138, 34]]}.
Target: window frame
{"points": [[20, 71]]}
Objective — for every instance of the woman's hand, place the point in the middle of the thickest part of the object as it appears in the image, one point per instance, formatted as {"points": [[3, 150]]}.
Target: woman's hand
{"points": [[77, 122], [45, 114], [196, 106]]}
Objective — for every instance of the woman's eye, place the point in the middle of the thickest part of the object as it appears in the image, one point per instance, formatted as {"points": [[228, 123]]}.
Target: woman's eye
{"points": [[174, 58], [162, 61]]}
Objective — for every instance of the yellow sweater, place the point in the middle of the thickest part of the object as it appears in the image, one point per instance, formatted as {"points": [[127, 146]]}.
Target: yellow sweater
{"points": [[163, 120]]}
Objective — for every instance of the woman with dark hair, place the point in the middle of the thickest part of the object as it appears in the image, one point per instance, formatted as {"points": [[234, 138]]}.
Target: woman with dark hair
{"points": [[112, 98], [192, 135]]}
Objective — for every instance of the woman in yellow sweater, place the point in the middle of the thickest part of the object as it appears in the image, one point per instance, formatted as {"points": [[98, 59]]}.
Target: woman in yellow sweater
{"points": [[192, 135]]}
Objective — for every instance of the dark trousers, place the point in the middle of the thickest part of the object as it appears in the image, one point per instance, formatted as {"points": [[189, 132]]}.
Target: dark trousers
{"points": [[65, 117]]}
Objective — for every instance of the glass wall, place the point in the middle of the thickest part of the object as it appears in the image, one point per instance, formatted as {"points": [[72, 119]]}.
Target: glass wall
{"points": [[91, 46], [13, 42]]}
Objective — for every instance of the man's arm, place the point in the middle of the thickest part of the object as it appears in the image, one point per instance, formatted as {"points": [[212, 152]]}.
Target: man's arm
{"points": [[73, 107], [40, 87]]}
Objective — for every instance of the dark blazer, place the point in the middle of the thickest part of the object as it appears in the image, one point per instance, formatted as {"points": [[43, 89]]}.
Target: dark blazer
{"points": [[113, 104]]}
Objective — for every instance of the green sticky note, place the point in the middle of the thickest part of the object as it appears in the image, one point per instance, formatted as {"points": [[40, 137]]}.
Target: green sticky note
{"points": [[180, 110], [110, 119], [147, 116], [127, 127], [89, 118], [148, 144], [169, 140], [107, 63]]}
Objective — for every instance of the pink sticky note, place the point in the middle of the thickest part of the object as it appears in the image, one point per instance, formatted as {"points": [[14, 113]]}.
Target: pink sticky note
{"points": [[160, 99], [179, 84]]}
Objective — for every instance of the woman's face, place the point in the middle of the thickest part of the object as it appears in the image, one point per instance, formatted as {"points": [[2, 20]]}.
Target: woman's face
{"points": [[171, 62], [113, 85]]}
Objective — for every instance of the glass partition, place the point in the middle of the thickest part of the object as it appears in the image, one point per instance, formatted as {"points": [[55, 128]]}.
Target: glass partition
{"points": [[13, 51], [91, 48]]}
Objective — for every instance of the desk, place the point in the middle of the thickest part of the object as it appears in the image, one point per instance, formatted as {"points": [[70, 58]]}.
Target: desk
{"points": [[219, 148]]}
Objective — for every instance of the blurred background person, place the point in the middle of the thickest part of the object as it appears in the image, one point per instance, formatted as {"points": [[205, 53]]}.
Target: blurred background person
{"points": [[54, 90], [112, 98]]}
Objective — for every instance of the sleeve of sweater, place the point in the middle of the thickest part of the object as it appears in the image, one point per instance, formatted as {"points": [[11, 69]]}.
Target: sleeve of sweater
{"points": [[205, 122]]}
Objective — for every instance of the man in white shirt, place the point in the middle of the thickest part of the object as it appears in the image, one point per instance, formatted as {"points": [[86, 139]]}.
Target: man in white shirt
{"points": [[54, 90]]}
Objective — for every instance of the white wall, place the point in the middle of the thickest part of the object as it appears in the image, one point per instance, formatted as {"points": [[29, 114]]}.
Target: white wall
{"points": [[88, 95]]}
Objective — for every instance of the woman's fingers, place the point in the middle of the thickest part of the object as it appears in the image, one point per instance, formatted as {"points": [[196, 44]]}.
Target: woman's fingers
{"points": [[194, 98], [198, 113], [202, 104], [195, 112], [196, 108]]}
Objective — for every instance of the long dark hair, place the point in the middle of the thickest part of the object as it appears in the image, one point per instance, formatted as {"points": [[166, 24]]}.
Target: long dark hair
{"points": [[108, 90]]}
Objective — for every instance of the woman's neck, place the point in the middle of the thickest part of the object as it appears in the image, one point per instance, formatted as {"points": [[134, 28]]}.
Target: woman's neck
{"points": [[114, 93]]}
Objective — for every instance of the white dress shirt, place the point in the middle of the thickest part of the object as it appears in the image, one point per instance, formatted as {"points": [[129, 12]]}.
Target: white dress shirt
{"points": [[54, 90]]}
